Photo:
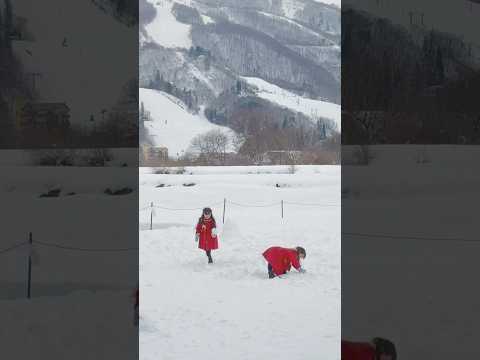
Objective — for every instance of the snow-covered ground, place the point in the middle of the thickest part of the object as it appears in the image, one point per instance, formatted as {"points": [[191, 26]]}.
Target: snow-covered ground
{"points": [[172, 124], [309, 107], [231, 310], [165, 29], [69, 327], [418, 293], [77, 296]]}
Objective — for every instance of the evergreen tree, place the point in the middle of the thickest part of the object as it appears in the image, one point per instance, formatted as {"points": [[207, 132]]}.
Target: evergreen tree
{"points": [[440, 70], [8, 27]]}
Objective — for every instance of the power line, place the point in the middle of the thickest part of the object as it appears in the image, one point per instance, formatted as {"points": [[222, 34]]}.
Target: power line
{"points": [[83, 249], [409, 237], [13, 247], [252, 206]]}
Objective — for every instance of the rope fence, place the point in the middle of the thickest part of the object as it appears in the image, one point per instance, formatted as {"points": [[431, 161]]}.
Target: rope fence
{"points": [[409, 237], [31, 244], [281, 204]]}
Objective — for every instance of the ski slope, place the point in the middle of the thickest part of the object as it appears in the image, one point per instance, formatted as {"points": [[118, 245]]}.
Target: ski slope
{"points": [[309, 107], [172, 125], [231, 310], [80, 73], [165, 29]]}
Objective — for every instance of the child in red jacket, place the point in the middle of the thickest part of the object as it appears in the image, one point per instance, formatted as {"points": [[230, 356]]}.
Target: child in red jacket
{"points": [[135, 307], [377, 349], [206, 233], [280, 260]]}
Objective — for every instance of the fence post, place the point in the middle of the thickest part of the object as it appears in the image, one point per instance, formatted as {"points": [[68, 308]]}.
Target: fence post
{"points": [[282, 209], [29, 273], [151, 216], [224, 206]]}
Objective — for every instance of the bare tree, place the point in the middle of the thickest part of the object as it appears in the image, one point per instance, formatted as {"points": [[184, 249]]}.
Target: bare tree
{"points": [[212, 146]]}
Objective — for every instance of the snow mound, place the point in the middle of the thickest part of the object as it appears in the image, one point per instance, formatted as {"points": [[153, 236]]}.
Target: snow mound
{"points": [[309, 107], [172, 125]]}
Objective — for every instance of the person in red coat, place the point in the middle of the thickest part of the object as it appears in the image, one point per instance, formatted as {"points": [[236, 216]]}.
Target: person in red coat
{"points": [[377, 349], [280, 260], [135, 307], [206, 233]]}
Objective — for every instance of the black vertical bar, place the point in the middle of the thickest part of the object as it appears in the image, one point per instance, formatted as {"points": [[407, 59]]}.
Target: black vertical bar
{"points": [[282, 209], [151, 216], [29, 279], [224, 206]]}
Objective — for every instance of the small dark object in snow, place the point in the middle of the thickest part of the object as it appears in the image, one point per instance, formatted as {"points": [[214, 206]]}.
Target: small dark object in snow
{"points": [[124, 165], [189, 184], [160, 185], [277, 185], [71, 193], [123, 191], [51, 193]]}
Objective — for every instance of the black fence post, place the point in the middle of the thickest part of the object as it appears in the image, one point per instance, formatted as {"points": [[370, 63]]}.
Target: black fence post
{"points": [[29, 274], [224, 206], [151, 216], [282, 209]]}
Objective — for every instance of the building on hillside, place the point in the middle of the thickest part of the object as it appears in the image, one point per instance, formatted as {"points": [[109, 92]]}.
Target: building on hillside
{"points": [[152, 154], [281, 157]]}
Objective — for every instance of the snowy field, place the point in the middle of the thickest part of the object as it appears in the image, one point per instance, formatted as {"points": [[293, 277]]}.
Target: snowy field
{"points": [[425, 300], [231, 310], [76, 294]]}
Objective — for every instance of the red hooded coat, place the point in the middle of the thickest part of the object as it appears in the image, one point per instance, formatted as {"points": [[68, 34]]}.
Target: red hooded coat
{"points": [[282, 259], [357, 351], [204, 229]]}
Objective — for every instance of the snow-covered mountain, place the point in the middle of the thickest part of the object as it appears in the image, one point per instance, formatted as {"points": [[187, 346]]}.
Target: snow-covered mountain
{"points": [[284, 52]]}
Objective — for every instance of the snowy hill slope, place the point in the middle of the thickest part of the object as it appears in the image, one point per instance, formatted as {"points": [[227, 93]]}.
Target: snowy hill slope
{"points": [[310, 107], [99, 83], [165, 30], [172, 125]]}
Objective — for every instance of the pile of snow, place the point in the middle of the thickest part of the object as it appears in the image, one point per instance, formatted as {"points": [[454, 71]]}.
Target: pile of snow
{"points": [[231, 310], [165, 29], [172, 125], [309, 107]]}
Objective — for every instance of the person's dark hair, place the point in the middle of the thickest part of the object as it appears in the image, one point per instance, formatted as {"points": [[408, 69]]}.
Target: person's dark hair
{"points": [[384, 347], [207, 210], [301, 250]]}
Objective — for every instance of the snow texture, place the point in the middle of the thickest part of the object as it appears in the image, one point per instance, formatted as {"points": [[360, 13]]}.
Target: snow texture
{"points": [[172, 125], [165, 30], [231, 310], [309, 107]]}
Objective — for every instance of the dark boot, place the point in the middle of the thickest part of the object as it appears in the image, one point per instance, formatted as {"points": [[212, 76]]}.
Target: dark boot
{"points": [[271, 274], [209, 255]]}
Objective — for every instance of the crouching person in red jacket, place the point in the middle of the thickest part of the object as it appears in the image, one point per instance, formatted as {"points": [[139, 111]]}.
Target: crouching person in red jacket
{"points": [[206, 233], [377, 349], [280, 260]]}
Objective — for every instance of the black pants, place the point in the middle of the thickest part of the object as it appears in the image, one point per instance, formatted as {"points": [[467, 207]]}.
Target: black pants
{"points": [[271, 274], [209, 255]]}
